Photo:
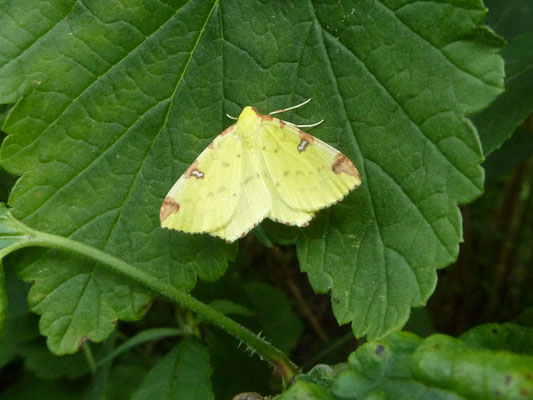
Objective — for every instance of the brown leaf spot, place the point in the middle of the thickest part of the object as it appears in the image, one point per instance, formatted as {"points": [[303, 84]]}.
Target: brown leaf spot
{"points": [[342, 164], [524, 392], [168, 207]]}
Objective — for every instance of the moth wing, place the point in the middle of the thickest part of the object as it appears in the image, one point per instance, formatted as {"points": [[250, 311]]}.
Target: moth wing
{"points": [[254, 202], [205, 197], [307, 173]]}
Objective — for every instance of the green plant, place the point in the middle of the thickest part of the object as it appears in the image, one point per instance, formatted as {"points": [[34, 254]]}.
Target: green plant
{"points": [[115, 99]]}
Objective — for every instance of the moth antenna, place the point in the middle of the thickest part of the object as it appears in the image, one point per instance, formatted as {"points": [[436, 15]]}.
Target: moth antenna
{"points": [[310, 125], [290, 108], [229, 116]]}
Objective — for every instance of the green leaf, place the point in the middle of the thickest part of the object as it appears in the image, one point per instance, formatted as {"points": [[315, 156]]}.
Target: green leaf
{"points": [[472, 373], [123, 380], [233, 368], [20, 324], [512, 153], [279, 324], [404, 366], [184, 373], [45, 365], [229, 307], [119, 99], [148, 335], [306, 391], [510, 337], [400, 75], [498, 121], [27, 386], [509, 18]]}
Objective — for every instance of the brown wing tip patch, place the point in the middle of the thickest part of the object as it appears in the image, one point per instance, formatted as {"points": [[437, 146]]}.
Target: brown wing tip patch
{"points": [[264, 117], [342, 164], [168, 207], [305, 140], [194, 171]]}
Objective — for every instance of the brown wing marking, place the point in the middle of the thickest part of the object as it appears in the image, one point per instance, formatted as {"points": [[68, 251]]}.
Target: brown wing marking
{"points": [[341, 164], [305, 140], [168, 207]]}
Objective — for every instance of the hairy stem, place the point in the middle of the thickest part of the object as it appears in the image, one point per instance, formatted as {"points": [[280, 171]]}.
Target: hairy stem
{"points": [[285, 367]]}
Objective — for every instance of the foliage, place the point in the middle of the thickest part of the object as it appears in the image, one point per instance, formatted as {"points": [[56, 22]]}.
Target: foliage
{"points": [[107, 103]]}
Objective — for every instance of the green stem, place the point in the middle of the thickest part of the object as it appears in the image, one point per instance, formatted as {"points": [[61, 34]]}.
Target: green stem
{"points": [[89, 357], [285, 367]]}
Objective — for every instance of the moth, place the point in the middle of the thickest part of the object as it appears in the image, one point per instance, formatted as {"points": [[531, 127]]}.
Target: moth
{"points": [[257, 168]]}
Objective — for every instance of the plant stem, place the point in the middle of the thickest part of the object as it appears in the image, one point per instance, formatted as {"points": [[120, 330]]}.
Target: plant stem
{"points": [[285, 367]]}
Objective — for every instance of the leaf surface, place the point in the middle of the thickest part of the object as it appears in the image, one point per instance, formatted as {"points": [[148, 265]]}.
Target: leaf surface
{"points": [[182, 374], [118, 100], [496, 123], [404, 366]]}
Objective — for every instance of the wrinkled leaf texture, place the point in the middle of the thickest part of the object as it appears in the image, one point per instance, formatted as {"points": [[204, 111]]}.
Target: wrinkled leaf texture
{"points": [[116, 99]]}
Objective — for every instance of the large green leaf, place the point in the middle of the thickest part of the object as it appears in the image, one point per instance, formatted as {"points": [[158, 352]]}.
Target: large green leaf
{"points": [[404, 366], [119, 98], [115, 97]]}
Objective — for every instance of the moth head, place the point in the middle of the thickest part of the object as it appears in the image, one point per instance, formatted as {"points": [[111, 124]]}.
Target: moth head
{"points": [[248, 120]]}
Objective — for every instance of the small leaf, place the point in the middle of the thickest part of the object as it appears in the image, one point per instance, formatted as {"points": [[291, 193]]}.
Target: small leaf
{"points": [[306, 391], [227, 307], [279, 324], [234, 370], [39, 360], [20, 325], [148, 335], [497, 122], [512, 153], [27, 386], [184, 373], [510, 337]]}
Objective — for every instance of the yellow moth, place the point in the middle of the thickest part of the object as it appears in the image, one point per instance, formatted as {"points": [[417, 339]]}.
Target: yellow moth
{"points": [[259, 167]]}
